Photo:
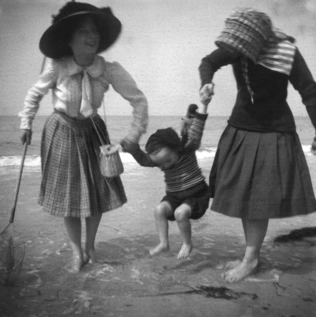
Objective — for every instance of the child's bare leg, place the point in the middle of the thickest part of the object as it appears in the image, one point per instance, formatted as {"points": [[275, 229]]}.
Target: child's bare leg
{"points": [[73, 227], [255, 233], [161, 217], [182, 215], [92, 224]]}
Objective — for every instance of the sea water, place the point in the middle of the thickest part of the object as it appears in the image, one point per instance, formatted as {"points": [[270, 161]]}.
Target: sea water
{"points": [[11, 148]]}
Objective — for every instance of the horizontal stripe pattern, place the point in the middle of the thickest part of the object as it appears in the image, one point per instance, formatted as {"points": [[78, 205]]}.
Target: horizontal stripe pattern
{"points": [[279, 57], [186, 173]]}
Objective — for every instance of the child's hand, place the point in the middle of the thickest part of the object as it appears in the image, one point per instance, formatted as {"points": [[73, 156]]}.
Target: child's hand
{"points": [[128, 146], [185, 124], [206, 93]]}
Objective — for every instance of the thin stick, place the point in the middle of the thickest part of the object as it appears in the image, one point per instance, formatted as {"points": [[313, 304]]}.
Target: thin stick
{"points": [[43, 64], [18, 185]]}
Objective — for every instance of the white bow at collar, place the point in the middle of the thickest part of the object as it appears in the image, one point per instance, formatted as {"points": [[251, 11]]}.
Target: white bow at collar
{"points": [[94, 70]]}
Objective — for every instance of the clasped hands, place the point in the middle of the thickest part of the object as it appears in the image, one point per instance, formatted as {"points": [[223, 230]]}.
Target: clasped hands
{"points": [[206, 93], [109, 149], [123, 146]]}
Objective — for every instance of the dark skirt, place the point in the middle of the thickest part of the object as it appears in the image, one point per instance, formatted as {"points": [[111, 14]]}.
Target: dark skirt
{"points": [[72, 184], [260, 175]]}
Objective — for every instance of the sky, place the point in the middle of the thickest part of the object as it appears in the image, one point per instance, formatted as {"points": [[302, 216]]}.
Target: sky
{"points": [[161, 46]]}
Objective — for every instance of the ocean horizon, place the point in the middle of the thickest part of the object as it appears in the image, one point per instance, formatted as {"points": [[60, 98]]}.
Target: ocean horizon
{"points": [[11, 148]]}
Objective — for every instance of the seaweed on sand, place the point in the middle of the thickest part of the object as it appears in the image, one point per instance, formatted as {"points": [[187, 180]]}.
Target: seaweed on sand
{"points": [[297, 235], [211, 291]]}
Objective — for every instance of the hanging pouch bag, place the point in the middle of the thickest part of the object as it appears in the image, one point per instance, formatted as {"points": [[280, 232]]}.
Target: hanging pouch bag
{"points": [[110, 161]]}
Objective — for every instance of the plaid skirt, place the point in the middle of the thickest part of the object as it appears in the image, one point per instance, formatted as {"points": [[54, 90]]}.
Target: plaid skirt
{"points": [[260, 175], [72, 184]]}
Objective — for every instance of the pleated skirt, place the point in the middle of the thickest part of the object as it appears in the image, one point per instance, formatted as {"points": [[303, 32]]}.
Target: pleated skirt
{"points": [[260, 176], [72, 184]]}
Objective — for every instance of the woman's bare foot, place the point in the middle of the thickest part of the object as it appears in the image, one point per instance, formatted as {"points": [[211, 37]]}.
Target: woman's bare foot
{"points": [[228, 265], [241, 271], [161, 247], [185, 251], [90, 257], [232, 264], [75, 265]]}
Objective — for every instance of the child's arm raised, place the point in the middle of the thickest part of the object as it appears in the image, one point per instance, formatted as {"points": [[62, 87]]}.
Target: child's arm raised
{"points": [[142, 158], [195, 132]]}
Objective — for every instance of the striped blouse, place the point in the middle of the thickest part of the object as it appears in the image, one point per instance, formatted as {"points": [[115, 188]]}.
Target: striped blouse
{"points": [[185, 173]]}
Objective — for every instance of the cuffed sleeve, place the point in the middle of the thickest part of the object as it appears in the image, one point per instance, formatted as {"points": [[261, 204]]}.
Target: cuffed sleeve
{"points": [[35, 94], [211, 63], [123, 83], [303, 81]]}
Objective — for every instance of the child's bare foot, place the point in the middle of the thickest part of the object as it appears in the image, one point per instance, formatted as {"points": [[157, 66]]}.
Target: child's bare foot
{"points": [[241, 271], [75, 265], [185, 251], [161, 247]]}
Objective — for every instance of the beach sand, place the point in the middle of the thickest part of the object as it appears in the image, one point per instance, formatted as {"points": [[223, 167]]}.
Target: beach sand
{"points": [[130, 283]]}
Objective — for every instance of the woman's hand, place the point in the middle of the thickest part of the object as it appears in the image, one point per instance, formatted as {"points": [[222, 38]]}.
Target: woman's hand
{"points": [[26, 136], [109, 149], [206, 93]]}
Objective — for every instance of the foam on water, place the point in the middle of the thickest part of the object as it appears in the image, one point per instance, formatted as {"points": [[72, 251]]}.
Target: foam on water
{"points": [[34, 161]]}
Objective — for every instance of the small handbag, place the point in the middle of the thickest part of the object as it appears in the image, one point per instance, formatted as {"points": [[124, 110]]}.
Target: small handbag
{"points": [[110, 161]]}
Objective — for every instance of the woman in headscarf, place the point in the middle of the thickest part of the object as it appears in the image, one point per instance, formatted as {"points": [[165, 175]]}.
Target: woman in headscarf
{"points": [[259, 171]]}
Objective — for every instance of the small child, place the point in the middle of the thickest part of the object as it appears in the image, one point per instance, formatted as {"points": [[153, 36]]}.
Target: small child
{"points": [[187, 194]]}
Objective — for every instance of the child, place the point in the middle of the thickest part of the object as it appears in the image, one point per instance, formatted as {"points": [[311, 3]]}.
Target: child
{"points": [[187, 194]]}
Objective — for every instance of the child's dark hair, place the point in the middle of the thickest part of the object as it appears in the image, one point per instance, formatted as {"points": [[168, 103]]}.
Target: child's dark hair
{"points": [[163, 138]]}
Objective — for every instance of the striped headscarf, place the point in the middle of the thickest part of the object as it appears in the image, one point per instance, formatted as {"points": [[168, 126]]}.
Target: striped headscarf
{"points": [[279, 53], [250, 33]]}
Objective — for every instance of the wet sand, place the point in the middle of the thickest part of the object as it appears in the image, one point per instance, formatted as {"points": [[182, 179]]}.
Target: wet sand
{"points": [[130, 283]]}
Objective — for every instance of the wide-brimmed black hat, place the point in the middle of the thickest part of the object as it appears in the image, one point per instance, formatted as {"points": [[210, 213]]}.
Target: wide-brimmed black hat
{"points": [[53, 42]]}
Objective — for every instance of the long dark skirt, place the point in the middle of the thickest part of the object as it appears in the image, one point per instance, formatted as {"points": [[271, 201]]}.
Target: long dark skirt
{"points": [[260, 176], [72, 184]]}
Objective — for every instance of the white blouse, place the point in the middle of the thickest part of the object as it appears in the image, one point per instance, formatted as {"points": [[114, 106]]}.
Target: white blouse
{"points": [[64, 76]]}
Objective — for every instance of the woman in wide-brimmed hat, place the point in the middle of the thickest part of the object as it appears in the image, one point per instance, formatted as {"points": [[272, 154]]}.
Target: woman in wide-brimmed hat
{"points": [[259, 171], [72, 185]]}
